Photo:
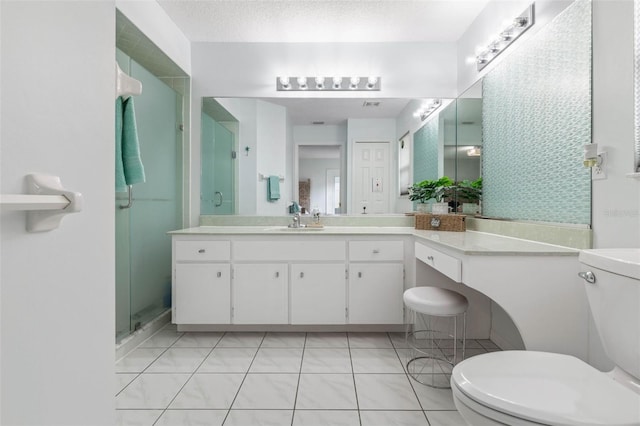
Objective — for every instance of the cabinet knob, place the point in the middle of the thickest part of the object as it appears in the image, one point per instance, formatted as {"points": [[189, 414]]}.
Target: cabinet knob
{"points": [[430, 258], [359, 274], [219, 274], [201, 251], [277, 274], [376, 251], [301, 274]]}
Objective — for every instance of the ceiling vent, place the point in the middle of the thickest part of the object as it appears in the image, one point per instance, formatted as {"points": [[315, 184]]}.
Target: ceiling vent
{"points": [[368, 104], [317, 122]]}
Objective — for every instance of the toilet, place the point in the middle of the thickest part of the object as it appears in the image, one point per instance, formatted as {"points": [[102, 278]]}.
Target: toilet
{"points": [[541, 388]]}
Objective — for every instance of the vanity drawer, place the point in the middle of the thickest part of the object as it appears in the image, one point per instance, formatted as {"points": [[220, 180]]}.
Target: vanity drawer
{"points": [[289, 250], [448, 265], [367, 251], [189, 251]]}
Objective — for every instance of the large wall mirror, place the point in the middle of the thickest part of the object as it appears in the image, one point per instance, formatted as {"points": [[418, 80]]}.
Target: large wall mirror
{"points": [[521, 128]]}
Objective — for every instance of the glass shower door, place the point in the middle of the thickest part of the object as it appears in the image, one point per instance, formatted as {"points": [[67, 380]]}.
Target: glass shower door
{"points": [[143, 248], [217, 191]]}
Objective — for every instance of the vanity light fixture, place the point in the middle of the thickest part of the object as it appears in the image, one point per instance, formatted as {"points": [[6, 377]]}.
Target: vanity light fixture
{"points": [[371, 83], [507, 36], [427, 109]]}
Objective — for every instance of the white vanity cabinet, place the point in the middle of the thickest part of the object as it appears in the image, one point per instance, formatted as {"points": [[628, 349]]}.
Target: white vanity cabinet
{"points": [[376, 282], [202, 268], [260, 293], [318, 293]]}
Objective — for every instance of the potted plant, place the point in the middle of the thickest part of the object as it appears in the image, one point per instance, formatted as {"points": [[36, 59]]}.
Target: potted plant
{"points": [[470, 193], [431, 190]]}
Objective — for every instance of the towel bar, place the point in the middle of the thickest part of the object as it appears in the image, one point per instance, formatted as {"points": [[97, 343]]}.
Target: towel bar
{"points": [[46, 204], [262, 177]]}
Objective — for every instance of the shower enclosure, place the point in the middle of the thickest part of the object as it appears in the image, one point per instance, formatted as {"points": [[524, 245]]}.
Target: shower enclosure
{"points": [[143, 248]]}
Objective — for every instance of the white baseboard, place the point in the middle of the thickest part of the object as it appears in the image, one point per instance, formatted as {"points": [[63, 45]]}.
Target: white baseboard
{"points": [[132, 341]]}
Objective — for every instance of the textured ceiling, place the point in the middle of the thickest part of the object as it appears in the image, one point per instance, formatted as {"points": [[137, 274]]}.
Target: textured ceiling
{"points": [[323, 20]]}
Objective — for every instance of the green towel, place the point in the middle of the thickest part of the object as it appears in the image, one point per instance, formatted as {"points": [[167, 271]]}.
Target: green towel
{"points": [[129, 168], [273, 188]]}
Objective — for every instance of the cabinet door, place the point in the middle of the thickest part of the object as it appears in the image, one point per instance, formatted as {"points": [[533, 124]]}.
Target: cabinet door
{"points": [[375, 293], [260, 294], [318, 294], [203, 294]]}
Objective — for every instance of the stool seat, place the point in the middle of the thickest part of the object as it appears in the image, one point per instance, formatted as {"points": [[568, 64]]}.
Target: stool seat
{"points": [[435, 301]]}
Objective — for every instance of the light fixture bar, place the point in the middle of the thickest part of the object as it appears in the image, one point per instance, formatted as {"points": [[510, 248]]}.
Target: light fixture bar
{"points": [[507, 36], [328, 84], [427, 109]]}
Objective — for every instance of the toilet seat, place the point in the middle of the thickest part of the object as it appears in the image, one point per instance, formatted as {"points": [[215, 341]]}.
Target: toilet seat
{"points": [[543, 388]]}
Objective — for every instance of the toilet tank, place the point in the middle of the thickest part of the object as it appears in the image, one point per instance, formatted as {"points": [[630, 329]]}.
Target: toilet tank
{"points": [[614, 299]]}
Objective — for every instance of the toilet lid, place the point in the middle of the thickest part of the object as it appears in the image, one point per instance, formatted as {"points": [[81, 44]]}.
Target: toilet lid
{"points": [[545, 387]]}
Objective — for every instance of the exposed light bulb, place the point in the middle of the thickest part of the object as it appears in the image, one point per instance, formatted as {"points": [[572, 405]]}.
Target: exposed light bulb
{"points": [[320, 83], [302, 83], [337, 82], [354, 82], [371, 82], [284, 82]]}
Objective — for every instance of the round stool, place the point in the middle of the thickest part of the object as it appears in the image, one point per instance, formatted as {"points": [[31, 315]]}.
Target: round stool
{"points": [[433, 344]]}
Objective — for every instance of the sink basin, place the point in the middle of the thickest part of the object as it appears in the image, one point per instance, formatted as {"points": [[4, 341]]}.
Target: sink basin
{"points": [[287, 229], [622, 261]]}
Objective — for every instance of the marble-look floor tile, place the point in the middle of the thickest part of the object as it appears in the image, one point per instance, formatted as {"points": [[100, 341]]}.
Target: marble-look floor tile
{"points": [[241, 340], [326, 360], [385, 392], [192, 418], [432, 398], [228, 360], [161, 339], [137, 417], [123, 379], [284, 340], [369, 341], [151, 391], [327, 340], [396, 418], [198, 340], [326, 392], [208, 391], [267, 391], [138, 360], [376, 361], [445, 418], [398, 340], [326, 417], [259, 418], [277, 360], [179, 360]]}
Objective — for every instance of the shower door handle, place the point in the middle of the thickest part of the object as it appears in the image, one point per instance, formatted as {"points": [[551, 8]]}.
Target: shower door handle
{"points": [[218, 193], [130, 203]]}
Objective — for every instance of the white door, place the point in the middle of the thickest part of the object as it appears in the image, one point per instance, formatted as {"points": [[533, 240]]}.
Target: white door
{"points": [[260, 294], [333, 191], [371, 187]]}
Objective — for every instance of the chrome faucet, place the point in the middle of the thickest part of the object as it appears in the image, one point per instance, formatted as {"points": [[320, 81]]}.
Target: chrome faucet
{"points": [[296, 221]]}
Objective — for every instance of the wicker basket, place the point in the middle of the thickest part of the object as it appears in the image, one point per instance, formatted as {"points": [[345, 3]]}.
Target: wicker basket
{"points": [[441, 222]]}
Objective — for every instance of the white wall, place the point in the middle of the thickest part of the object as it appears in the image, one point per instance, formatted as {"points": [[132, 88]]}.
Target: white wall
{"points": [[315, 169], [153, 21], [615, 200], [272, 157], [57, 288]]}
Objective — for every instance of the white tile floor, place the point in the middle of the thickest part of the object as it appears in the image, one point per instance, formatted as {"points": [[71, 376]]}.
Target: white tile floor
{"points": [[296, 379]]}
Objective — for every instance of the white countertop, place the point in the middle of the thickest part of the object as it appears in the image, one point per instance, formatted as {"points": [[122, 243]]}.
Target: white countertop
{"points": [[469, 242]]}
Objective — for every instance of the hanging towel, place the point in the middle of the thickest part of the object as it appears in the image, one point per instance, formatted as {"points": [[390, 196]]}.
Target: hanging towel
{"points": [[273, 188], [129, 168]]}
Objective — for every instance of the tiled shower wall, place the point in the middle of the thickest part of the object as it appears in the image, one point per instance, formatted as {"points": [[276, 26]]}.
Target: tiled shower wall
{"points": [[536, 119]]}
